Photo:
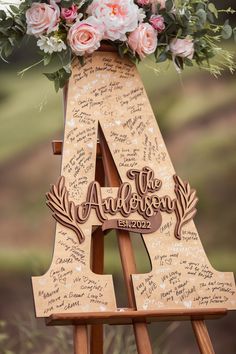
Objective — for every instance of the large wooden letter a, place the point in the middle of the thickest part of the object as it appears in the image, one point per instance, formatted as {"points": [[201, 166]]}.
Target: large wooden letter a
{"points": [[151, 200]]}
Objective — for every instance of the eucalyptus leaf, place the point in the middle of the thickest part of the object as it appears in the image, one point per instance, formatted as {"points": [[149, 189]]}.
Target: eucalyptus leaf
{"points": [[168, 5], [213, 9], [202, 15], [210, 17], [161, 57], [226, 31]]}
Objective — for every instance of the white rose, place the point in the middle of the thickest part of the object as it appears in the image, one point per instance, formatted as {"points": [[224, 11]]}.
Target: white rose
{"points": [[118, 17]]}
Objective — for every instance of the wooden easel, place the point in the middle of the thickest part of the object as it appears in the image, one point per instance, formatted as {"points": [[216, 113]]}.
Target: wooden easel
{"points": [[139, 319]]}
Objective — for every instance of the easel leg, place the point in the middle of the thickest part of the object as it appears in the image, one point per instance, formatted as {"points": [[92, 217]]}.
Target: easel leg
{"points": [[96, 340], [81, 339], [129, 267], [126, 251], [202, 336]]}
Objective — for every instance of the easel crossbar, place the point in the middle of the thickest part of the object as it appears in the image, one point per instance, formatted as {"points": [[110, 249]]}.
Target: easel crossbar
{"points": [[129, 316]]}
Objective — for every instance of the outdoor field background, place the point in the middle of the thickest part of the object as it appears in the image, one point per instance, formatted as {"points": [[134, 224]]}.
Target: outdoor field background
{"points": [[197, 116]]}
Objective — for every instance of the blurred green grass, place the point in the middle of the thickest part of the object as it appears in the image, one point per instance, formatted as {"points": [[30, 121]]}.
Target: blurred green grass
{"points": [[30, 112]]}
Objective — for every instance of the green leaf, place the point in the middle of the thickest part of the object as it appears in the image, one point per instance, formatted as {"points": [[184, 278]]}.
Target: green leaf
{"points": [[14, 9], [213, 9], [226, 31], [210, 17], [200, 6], [201, 14], [2, 15], [57, 84], [188, 62], [66, 3], [7, 23], [4, 31], [168, 5], [7, 49], [162, 57], [121, 51], [179, 62], [50, 76], [84, 6], [60, 77], [47, 58], [20, 23]]}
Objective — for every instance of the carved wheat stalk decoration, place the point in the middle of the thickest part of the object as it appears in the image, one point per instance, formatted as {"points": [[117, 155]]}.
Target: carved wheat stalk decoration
{"points": [[185, 204], [64, 211]]}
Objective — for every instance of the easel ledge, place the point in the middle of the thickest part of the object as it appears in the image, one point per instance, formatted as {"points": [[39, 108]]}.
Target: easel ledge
{"points": [[129, 316]]}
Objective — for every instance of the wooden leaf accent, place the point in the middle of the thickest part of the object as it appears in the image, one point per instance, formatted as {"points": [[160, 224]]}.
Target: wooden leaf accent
{"points": [[64, 211], [185, 204]]}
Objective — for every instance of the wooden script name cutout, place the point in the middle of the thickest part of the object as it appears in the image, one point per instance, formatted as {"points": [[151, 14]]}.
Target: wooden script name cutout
{"points": [[151, 200]]}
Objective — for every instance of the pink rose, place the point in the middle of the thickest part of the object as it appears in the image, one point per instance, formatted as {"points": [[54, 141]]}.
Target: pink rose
{"points": [[157, 22], [85, 36], [143, 2], [143, 40], [118, 16], [69, 14], [41, 18], [183, 48]]}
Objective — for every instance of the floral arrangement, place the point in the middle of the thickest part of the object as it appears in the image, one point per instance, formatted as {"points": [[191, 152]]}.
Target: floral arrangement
{"points": [[183, 31]]}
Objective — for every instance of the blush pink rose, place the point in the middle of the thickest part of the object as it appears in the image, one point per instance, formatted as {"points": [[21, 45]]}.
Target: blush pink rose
{"points": [[143, 40], [183, 48], [69, 14], [85, 36], [157, 22], [41, 18], [118, 16]]}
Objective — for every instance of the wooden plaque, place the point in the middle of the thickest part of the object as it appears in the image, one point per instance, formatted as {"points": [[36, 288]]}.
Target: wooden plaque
{"points": [[107, 94]]}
